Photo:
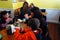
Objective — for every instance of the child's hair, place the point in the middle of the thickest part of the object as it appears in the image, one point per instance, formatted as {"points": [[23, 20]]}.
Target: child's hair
{"points": [[4, 13], [34, 23], [2, 18]]}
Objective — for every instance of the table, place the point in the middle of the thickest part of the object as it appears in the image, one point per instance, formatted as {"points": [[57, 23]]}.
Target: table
{"points": [[5, 35], [9, 37]]}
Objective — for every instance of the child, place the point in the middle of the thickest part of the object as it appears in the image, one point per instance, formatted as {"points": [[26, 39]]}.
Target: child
{"points": [[5, 19], [30, 33]]}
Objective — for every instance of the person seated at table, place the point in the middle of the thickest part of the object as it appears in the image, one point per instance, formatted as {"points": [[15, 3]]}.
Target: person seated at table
{"points": [[5, 19], [23, 10], [32, 32]]}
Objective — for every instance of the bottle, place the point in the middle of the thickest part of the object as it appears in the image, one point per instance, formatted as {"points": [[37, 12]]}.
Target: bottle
{"points": [[0, 37]]}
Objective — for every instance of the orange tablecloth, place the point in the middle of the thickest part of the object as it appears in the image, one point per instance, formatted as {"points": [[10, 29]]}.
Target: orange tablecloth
{"points": [[8, 37]]}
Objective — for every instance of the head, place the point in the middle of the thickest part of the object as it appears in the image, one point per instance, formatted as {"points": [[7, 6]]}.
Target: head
{"points": [[5, 14], [25, 5], [35, 11], [34, 23], [32, 5]]}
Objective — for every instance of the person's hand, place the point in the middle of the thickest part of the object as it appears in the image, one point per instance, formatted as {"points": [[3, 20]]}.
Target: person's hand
{"points": [[19, 20], [26, 16], [46, 34], [8, 19], [30, 16], [40, 30], [17, 28]]}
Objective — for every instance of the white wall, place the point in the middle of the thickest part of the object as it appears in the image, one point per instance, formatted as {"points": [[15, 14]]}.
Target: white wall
{"points": [[53, 15]]}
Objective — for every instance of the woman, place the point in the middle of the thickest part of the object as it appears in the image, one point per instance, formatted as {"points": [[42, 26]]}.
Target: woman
{"points": [[35, 13], [5, 19], [23, 10]]}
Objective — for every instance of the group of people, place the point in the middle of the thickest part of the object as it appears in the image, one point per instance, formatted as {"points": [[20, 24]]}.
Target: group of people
{"points": [[37, 25]]}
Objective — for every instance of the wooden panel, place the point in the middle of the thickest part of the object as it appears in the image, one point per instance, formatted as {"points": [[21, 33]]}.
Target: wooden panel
{"points": [[53, 30]]}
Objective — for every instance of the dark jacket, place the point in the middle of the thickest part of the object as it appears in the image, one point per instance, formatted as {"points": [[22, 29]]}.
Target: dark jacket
{"points": [[23, 12]]}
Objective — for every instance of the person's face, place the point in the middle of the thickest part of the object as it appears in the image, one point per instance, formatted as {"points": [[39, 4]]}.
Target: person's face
{"points": [[26, 16], [31, 6], [26, 5], [6, 15], [32, 14]]}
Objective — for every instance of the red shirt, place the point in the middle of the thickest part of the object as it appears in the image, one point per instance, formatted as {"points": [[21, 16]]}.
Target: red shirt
{"points": [[28, 35]]}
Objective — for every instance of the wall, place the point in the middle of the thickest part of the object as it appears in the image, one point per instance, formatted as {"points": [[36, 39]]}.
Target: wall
{"points": [[20, 4], [53, 15], [14, 5], [6, 4], [40, 3], [54, 4], [17, 4]]}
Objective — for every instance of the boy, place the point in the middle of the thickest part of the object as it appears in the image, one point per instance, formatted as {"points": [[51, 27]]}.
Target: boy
{"points": [[30, 33]]}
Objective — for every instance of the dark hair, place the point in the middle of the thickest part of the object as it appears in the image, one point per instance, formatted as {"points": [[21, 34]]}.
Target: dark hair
{"points": [[43, 10], [32, 4], [25, 3], [2, 18], [34, 23], [35, 10], [4, 13]]}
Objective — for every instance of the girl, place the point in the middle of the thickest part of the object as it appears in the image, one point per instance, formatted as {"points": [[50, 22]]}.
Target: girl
{"points": [[5, 19]]}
